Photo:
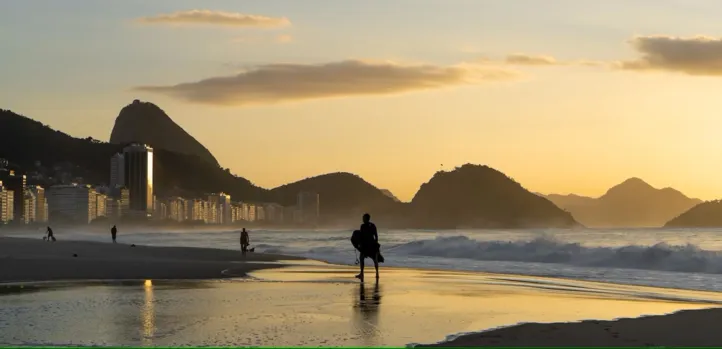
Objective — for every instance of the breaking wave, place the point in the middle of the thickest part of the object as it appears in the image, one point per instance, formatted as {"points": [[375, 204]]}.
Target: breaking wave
{"points": [[662, 256]]}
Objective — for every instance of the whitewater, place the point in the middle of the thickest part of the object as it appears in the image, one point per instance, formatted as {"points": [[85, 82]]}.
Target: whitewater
{"points": [[675, 258]]}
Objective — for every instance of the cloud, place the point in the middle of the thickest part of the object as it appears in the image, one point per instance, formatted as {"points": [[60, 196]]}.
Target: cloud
{"points": [[700, 55], [544, 60], [524, 59], [279, 39], [216, 18], [274, 83]]}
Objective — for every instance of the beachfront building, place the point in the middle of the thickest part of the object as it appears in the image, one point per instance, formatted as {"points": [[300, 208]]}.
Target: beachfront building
{"points": [[72, 203], [198, 210], [244, 211], [138, 178], [101, 208], [7, 200], [117, 170], [309, 206], [161, 210], [17, 184], [251, 213], [29, 204], [41, 204], [222, 208], [113, 208], [260, 213], [289, 215], [177, 210], [273, 213]]}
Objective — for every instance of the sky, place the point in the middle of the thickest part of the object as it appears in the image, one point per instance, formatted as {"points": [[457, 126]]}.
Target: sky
{"points": [[564, 96]]}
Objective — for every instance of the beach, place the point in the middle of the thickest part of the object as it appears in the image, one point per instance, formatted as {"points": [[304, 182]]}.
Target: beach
{"points": [[174, 296], [38, 260]]}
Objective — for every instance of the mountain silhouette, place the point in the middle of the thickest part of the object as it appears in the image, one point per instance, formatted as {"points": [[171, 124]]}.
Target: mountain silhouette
{"points": [[344, 198], [473, 196], [145, 122], [705, 215], [24, 141], [632, 203]]}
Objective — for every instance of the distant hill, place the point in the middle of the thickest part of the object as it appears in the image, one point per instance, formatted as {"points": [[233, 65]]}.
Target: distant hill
{"points": [[344, 198], [705, 215], [390, 194], [632, 203], [473, 196], [147, 123], [24, 141], [571, 200]]}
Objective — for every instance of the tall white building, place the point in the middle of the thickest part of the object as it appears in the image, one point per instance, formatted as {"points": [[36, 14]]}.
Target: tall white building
{"points": [[72, 203]]}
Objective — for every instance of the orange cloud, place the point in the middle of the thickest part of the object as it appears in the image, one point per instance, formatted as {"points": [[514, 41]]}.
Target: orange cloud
{"points": [[274, 83], [216, 18], [524, 59]]}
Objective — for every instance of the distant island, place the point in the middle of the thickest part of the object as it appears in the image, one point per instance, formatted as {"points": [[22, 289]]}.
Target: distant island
{"points": [[632, 203], [705, 215], [473, 196]]}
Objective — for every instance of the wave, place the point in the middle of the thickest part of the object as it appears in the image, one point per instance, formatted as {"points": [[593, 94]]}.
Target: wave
{"points": [[662, 256]]}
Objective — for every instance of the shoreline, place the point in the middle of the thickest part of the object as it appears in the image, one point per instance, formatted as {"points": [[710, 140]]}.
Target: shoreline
{"points": [[29, 260]]}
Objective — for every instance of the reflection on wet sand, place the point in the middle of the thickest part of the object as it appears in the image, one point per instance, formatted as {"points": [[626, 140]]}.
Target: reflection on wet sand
{"points": [[147, 315], [316, 306], [366, 312]]}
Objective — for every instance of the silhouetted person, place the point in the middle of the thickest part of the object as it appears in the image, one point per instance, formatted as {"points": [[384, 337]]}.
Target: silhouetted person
{"points": [[51, 237], [113, 232], [245, 241], [369, 245]]}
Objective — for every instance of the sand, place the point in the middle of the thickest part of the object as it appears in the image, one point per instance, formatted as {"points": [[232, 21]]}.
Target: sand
{"points": [[690, 328], [37, 260]]}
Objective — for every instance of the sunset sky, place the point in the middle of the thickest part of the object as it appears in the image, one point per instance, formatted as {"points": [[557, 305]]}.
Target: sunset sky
{"points": [[564, 96]]}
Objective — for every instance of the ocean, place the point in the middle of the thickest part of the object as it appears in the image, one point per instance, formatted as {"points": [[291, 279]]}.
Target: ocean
{"points": [[672, 258]]}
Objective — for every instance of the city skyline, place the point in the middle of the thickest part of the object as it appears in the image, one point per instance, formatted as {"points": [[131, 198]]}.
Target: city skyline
{"points": [[564, 96]]}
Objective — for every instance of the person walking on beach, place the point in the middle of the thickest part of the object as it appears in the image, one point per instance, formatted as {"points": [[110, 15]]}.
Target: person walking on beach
{"points": [[369, 245], [245, 241], [113, 232], [51, 237]]}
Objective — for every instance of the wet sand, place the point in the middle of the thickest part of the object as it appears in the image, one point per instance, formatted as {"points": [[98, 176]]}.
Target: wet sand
{"points": [[689, 328], [37, 260]]}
